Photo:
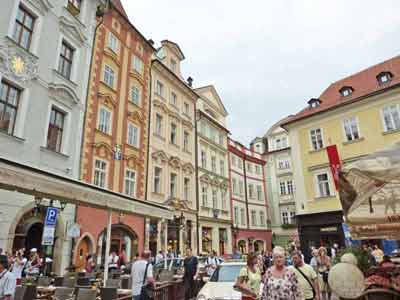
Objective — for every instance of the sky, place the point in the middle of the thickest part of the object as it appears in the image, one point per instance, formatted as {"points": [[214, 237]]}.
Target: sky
{"points": [[268, 58]]}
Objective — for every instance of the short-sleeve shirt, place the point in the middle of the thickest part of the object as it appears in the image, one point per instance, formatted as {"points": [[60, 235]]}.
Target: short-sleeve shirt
{"points": [[137, 274], [7, 284], [190, 264], [304, 285], [253, 279]]}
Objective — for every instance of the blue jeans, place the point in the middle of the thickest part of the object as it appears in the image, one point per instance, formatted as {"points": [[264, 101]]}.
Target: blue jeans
{"points": [[137, 297]]}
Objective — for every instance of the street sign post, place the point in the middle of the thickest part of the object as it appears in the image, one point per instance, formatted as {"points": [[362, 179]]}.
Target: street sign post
{"points": [[49, 229]]}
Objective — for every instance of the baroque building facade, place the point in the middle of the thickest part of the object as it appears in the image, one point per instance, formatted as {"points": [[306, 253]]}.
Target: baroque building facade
{"points": [[45, 51], [171, 176]]}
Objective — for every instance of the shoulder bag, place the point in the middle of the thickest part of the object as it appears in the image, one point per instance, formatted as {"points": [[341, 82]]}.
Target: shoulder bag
{"points": [[308, 280], [147, 292]]}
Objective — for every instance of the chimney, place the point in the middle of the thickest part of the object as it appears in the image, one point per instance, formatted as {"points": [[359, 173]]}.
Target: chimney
{"points": [[190, 81]]}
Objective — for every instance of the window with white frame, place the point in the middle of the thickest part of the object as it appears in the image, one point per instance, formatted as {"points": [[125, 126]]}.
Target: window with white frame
{"points": [[221, 139], [203, 159], [204, 195], [323, 185], [130, 183], [109, 76], [285, 218], [236, 215], [100, 172], [186, 108], [186, 138], [138, 65], [249, 167], [283, 164], [233, 160], [223, 199], [290, 187], [203, 127], [159, 125], [242, 217], [281, 143], [133, 135], [173, 138], [253, 218], [157, 180], [215, 199], [351, 129], [213, 133], [259, 193], [104, 124], [135, 95], [9, 101], [262, 219], [113, 42], [174, 99], [159, 88], [282, 188], [241, 187], [258, 170], [286, 187], [23, 30], [214, 164], [234, 186], [317, 141], [173, 185], [66, 60], [222, 167], [173, 65], [251, 191], [391, 117], [292, 216], [186, 189], [240, 164]]}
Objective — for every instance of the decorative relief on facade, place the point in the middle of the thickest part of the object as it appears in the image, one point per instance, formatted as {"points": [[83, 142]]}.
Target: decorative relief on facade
{"points": [[188, 168], [205, 179], [42, 6], [72, 30], [162, 106], [175, 162], [174, 115], [113, 56], [187, 124], [160, 157], [108, 100], [63, 93], [136, 117], [132, 161], [215, 182], [17, 64], [103, 150]]}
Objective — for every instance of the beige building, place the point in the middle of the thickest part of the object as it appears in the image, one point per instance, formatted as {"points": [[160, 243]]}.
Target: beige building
{"points": [[171, 170], [213, 177]]}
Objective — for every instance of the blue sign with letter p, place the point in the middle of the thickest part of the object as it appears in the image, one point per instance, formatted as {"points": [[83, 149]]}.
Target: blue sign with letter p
{"points": [[51, 216]]}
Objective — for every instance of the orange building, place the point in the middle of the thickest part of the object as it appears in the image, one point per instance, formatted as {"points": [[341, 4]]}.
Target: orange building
{"points": [[115, 144]]}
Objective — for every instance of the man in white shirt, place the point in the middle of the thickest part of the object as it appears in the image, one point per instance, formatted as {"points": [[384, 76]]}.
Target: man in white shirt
{"points": [[159, 257], [18, 265], [7, 280], [212, 263], [113, 261], [139, 274]]}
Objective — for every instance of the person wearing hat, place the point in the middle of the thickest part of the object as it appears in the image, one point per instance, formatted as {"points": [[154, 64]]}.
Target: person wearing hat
{"points": [[7, 280]]}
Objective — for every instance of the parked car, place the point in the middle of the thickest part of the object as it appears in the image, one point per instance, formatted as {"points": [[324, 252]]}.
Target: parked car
{"points": [[220, 285]]}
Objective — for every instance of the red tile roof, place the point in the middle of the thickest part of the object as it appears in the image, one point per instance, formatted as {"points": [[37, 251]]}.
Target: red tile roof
{"points": [[363, 83], [118, 5]]}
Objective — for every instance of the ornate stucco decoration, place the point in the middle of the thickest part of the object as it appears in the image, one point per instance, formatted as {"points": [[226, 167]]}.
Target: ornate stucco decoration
{"points": [[63, 93], [175, 162], [72, 30], [160, 157], [103, 150], [108, 99], [205, 179], [188, 168], [224, 185], [161, 106], [175, 116], [215, 182], [42, 6], [187, 124], [132, 161], [17, 64], [136, 116]]}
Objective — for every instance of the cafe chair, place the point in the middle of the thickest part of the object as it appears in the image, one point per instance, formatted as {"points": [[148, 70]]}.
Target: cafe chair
{"points": [[380, 294], [44, 281], [114, 283], [108, 293], [83, 281], [64, 293], [30, 292], [58, 281], [86, 294], [69, 282], [19, 293], [126, 283]]}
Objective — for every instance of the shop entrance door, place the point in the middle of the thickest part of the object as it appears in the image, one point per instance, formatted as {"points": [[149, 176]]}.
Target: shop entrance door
{"points": [[82, 253]]}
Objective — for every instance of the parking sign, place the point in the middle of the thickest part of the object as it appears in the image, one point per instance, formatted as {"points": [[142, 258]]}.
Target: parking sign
{"points": [[51, 216]]}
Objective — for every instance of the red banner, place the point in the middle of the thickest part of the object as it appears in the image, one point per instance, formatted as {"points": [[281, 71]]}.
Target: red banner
{"points": [[334, 163]]}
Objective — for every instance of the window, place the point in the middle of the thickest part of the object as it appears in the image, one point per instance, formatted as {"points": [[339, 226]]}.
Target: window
{"points": [[262, 219], [203, 159], [104, 121], [223, 200], [286, 188], [316, 139], [204, 196], [9, 99], [323, 185], [138, 65], [157, 180], [55, 130], [281, 143], [133, 135], [213, 133], [186, 141], [159, 89], [253, 218], [186, 108], [159, 121], [23, 29], [290, 187], [113, 42], [214, 164], [240, 164], [384, 77], [109, 76], [241, 187], [174, 99], [285, 218], [242, 217], [221, 139], [100, 168], [282, 188], [258, 170], [346, 91], [222, 167], [391, 117], [236, 215], [259, 193], [173, 183], [130, 183], [251, 191], [65, 62], [283, 164], [292, 217], [173, 134], [186, 189], [351, 129], [214, 199], [135, 95], [233, 160], [249, 168], [173, 65], [234, 186]]}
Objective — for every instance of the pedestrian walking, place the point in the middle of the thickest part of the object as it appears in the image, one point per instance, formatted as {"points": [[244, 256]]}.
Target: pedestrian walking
{"points": [[7, 280], [249, 280], [113, 262], [280, 282], [34, 263], [190, 264], [159, 256], [212, 263], [18, 265], [306, 276], [323, 267], [142, 277]]}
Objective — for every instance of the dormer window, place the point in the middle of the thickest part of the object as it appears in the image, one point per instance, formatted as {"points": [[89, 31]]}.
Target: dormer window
{"points": [[384, 77], [314, 102], [346, 91], [173, 65], [74, 6]]}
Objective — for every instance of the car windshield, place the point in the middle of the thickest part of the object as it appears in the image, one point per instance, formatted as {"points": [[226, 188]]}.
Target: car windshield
{"points": [[226, 273]]}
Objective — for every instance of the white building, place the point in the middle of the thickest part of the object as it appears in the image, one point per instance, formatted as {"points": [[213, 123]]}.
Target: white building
{"points": [[45, 53]]}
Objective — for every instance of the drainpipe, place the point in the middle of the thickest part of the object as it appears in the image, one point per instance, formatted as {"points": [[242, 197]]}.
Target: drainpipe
{"points": [[197, 177], [148, 131], [246, 193]]}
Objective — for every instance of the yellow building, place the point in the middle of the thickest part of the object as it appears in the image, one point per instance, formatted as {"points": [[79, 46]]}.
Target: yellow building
{"points": [[359, 114]]}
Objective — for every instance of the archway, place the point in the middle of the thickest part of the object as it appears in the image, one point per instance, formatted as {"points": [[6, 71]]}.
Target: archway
{"points": [[242, 246], [83, 248], [259, 246], [29, 231]]}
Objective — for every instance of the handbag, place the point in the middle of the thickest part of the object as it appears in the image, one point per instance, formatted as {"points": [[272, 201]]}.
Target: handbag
{"points": [[308, 280], [147, 291]]}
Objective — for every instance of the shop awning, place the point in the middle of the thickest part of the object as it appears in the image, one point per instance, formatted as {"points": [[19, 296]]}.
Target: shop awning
{"points": [[370, 195], [32, 181]]}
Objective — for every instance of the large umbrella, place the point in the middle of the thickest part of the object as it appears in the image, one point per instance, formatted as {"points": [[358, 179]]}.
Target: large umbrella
{"points": [[370, 195]]}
